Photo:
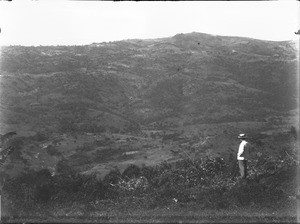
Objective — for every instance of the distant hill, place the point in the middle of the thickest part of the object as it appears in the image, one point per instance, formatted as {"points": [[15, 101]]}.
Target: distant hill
{"points": [[132, 85], [202, 77]]}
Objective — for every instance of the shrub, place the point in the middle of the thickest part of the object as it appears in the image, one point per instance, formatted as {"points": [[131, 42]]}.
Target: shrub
{"points": [[39, 137], [52, 151], [112, 177], [148, 172], [63, 167], [91, 188], [131, 171], [23, 191]]}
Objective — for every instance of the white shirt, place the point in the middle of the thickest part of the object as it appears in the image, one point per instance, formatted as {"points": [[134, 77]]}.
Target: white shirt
{"points": [[241, 150]]}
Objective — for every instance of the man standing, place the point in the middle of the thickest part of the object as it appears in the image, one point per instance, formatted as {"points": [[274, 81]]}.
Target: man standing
{"points": [[242, 155]]}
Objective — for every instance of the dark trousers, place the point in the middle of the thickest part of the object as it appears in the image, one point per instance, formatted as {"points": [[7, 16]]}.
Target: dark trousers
{"points": [[243, 168]]}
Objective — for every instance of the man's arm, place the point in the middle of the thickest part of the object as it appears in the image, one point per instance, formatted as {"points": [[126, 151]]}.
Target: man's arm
{"points": [[240, 152]]}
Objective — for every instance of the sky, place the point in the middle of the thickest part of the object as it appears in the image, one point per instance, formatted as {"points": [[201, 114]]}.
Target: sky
{"points": [[60, 22]]}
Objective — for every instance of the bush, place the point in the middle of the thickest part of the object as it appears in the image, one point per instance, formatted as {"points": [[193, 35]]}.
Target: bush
{"points": [[39, 137], [91, 188], [27, 189], [148, 172], [52, 151], [131, 171], [63, 167]]}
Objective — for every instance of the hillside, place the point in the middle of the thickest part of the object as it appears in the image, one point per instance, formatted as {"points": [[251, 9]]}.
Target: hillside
{"points": [[103, 105]]}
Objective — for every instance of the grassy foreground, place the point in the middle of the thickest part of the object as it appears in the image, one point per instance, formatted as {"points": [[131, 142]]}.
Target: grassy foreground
{"points": [[191, 190], [188, 213]]}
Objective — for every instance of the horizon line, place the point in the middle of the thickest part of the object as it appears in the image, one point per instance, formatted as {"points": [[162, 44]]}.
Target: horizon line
{"points": [[155, 38]]}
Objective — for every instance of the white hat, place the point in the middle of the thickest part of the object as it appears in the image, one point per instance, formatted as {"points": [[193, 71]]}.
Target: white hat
{"points": [[242, 136]]}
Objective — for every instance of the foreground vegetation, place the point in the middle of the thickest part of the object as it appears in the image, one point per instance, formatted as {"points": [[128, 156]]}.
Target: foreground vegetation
{"points": [[206, 189]]}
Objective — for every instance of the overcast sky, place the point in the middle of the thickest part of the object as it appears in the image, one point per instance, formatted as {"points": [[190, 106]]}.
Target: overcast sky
{"points": [[25, 22]]}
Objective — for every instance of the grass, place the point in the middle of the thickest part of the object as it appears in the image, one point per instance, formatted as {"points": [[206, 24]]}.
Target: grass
{"points": [[178, 213]]}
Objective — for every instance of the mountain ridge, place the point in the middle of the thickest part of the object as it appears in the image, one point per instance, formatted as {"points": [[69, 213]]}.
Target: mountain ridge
{"points": [[216, 64]]}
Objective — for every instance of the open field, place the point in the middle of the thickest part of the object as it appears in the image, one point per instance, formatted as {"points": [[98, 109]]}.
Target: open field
{"points": [[175, 213]]}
